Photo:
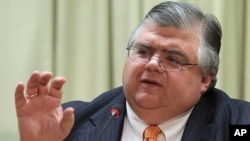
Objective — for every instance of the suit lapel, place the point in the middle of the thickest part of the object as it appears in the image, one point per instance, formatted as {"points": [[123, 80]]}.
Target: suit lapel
{"points": [[200, 126], [114, 129]]}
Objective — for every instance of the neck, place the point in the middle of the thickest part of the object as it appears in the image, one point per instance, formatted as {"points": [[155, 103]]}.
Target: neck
{"points": [[157, 116]]}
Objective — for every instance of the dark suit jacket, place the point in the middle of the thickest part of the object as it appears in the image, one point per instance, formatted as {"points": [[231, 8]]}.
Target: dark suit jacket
{"points": [[209, 120]]}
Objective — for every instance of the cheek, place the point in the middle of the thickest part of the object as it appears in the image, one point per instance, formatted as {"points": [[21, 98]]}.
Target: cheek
{"points": [[126, 73], [128, 78], [130, 73], [184, 87]]}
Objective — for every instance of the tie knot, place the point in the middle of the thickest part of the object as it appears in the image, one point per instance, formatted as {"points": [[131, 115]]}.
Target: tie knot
{"points": [[151, 132]]}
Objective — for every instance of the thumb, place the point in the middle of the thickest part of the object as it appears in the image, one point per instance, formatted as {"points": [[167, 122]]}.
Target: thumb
{"points": [[67, 120]]}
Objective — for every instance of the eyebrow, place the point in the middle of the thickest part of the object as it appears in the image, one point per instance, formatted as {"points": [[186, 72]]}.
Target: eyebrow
{"points": [[143, 44], [146, 45]]}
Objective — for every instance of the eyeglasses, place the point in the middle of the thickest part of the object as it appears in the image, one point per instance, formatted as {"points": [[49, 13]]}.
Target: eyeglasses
{"points": [[167, 61]]}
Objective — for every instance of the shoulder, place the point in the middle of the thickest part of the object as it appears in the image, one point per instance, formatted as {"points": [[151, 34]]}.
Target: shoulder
{"points": [[91, 116], [104, 100], [214, 113], [237, 110], [222, 99], [74, 104]]}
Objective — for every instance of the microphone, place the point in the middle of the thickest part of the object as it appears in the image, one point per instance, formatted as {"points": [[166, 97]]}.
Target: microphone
{"points": [[115, 111]]}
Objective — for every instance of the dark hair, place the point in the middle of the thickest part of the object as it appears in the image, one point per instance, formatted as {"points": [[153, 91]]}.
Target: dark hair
{"points": [[187, 16]]}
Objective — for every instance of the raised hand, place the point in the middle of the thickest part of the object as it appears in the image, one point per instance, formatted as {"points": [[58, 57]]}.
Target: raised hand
{"points": [[39, 112]]}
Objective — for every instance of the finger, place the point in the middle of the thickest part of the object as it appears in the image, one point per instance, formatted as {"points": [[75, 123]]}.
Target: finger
{"points": [[33, 82], [19, 96], [56, 87], [67, 120], [43, 87]]}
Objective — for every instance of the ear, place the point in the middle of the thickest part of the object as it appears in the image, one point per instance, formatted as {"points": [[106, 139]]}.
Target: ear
{"points": [[205, 82]]}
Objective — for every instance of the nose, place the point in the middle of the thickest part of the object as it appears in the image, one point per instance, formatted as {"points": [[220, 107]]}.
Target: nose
{"points": [[154, 64], [155, 57]]}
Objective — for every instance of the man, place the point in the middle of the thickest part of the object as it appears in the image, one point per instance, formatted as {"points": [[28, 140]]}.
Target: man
{"points": [[168, 82]]}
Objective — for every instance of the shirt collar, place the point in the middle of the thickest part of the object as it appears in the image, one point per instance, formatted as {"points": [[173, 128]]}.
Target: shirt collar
{"points": [[171, 129]]}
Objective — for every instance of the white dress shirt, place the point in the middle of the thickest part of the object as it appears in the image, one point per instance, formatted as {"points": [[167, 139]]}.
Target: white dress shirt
{"points": [[172, 129]]}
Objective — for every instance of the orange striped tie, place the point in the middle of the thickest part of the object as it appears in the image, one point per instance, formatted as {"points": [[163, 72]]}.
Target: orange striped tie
{"points": [[151, 133]]}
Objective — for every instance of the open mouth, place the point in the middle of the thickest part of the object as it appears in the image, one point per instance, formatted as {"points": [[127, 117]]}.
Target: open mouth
{"points": [[150, 82]]}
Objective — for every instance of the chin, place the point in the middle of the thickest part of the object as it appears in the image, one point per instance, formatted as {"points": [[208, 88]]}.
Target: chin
{"points": [[148, 101]]}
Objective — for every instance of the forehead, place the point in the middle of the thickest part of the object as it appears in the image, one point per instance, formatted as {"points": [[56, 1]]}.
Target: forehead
{"points": [[162, 38]]}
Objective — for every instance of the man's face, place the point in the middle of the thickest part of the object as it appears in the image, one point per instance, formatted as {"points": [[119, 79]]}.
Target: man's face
{"points": [[149, 87]]}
